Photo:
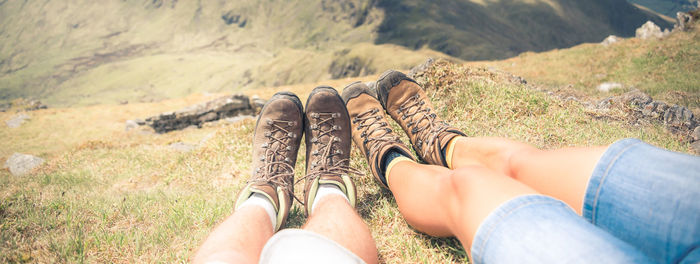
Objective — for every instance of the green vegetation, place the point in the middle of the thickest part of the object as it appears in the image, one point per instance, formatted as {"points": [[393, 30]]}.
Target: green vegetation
{"points": [[94, 52], [666, 69], [478, 29], [106, 195]]}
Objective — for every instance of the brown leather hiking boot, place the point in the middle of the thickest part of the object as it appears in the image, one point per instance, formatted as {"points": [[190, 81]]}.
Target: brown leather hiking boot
{"points": [[370, 131], [328, 145], [407, 103], [275, 144]]}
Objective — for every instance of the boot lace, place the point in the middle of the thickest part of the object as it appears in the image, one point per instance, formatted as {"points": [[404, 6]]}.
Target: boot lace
{"points": [[422, 124], [375, 133], [277, 168], [327, 158]]}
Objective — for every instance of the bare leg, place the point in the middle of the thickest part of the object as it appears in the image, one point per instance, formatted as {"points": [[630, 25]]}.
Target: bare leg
{"points": [[239, 239], [442, 202], [334, 218], [562, 173]]}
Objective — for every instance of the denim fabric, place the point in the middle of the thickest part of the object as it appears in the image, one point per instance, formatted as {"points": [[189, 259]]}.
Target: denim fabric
{"points": [[642, 205], [541, 229], [648, 197], [301, 246]]}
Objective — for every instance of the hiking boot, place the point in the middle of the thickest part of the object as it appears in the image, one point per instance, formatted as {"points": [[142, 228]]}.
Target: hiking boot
{"points": [[407, 103], [275, 144], [370, 130], [328, 143]]}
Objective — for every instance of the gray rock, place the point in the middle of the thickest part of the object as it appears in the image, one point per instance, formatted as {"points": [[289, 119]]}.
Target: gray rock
{"points": [[612, 39], [696, 133], [655, 110], [679, 117], [197, 115], [635, 98], [649, 30], [606, 87], [182, 147], [17, 120], [22, 164], [130, 125], [421, 68], [34, 105], [684, 21], [695, 146]]}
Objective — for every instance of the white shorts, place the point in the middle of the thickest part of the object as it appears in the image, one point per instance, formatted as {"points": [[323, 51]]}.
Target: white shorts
{"points": [[301, 246]]}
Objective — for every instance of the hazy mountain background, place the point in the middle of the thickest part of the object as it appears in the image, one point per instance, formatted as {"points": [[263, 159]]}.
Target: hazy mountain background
{"points": [[668, 7], [85, 52]]}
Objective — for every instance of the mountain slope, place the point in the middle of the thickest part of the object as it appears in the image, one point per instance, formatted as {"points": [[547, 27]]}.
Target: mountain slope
{"points": [[668, 7], [495, 29], [87, 52]]}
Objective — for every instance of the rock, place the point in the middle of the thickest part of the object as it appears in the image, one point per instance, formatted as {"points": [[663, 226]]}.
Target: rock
{"points": [[654, 110], [679, 117], [34, 105], [231, 18], [695, 146], [130, 125], [606, 87], [17, 120], [610, 40], [635, 98], [123, 102], [257, 103], [182, 147], [696, 133], [197, 115], [21, 164], [649, 30], [419, 69], [684, 21]]}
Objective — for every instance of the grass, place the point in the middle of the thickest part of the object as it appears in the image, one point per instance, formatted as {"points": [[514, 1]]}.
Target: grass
{"points": [[107, 195], [666, 69]]}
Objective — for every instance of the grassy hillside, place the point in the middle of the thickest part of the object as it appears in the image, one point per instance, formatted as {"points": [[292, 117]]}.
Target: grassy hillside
{"points": [[497, 29], [106, 195], [667, 69], [668, 7], [88, 52]]}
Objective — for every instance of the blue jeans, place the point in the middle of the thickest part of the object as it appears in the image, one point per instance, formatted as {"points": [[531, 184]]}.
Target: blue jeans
{"points": [[642, 205]]}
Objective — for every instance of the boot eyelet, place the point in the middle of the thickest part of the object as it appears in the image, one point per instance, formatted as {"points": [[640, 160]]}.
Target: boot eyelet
{"points": [[336, 127], [267, 134], [269, 121], [292, 123], [315, 115]]}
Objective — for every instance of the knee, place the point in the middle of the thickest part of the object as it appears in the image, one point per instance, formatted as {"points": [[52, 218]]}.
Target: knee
{"points": [[459, 182], [520, 158]]}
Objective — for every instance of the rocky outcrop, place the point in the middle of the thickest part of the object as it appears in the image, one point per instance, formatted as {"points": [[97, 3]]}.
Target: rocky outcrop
{"points": [[684, 21], [231, 18], [612, 39], [650, 30], [640, 107], [22, 164], [17, 120], [198, 115]]}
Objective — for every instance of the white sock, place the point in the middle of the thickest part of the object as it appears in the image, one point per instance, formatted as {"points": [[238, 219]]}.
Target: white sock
{"points": [[325, 190], [261, 200]]}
